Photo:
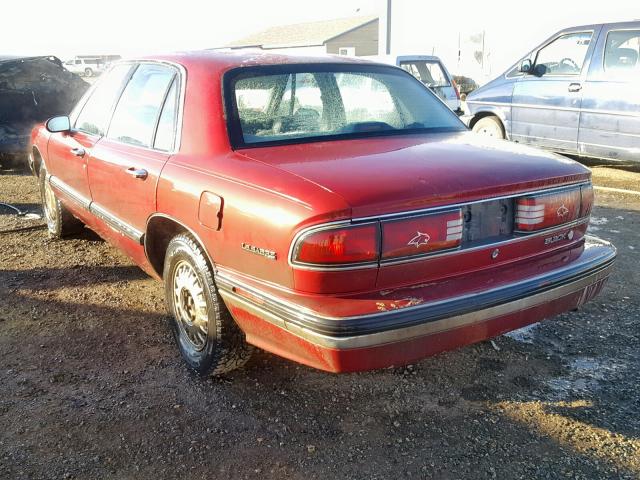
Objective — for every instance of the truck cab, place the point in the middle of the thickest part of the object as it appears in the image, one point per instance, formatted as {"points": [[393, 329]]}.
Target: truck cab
{"points": [[431, 71], [576, 93]]}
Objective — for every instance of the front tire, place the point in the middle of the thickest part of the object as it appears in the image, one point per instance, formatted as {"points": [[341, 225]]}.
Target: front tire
{"points": [[88, 72], [208, 338], [60, 221], [489, 126]]}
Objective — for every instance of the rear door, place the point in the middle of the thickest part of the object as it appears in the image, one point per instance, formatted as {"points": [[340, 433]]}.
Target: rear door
{"points": [[68, 154], [610, 116], [546, 106], [125, 165]]}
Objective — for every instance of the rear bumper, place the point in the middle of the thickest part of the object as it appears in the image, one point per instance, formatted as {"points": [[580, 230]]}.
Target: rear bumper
{"points": [[403, 335]]}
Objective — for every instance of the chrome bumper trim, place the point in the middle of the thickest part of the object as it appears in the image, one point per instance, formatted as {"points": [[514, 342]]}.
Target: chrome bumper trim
{"points": [[427, 319]]}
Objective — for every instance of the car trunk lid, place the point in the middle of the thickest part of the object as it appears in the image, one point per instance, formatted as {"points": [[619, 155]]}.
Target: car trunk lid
{"points": [[385, 175]]}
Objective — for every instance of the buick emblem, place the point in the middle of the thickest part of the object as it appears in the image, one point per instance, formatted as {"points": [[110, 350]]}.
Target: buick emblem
{"points": [[562, 211], [419, 239]]}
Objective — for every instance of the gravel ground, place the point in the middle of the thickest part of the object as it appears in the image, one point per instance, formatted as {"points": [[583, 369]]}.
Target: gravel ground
{"points": [[91, 385]]}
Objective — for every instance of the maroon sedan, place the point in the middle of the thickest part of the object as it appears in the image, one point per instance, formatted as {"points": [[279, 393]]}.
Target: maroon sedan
{"points": [[331, 211]]}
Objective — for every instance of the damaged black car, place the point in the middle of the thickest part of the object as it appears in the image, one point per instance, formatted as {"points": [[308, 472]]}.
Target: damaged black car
{"points": [[32, 89]]}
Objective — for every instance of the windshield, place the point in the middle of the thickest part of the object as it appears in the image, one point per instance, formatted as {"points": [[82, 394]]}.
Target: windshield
{"points": [[273, 105]]}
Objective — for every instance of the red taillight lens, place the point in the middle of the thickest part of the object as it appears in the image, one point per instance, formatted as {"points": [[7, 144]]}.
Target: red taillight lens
{"points": [[355, 244], [548, 210], [587, 200], [419, 235]]}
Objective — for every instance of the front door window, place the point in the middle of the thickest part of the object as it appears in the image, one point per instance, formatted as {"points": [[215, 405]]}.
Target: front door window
{"points": [[565, 55]]}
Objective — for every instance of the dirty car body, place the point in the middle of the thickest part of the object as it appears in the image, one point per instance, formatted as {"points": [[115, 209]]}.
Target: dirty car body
{"points": [[350, 221], [576, 93], [32, 89]]}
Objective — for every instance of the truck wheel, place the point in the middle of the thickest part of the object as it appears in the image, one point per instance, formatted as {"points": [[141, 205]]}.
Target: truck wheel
{"points": [[88, 72], [489, 126], [209, 339], [60, 221]]}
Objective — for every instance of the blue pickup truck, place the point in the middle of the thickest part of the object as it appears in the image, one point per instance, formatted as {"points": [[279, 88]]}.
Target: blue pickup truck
{"points": [[576, 93]]}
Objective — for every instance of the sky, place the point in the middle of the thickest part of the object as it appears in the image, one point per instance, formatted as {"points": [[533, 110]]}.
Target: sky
{"points": [[134, 27]]}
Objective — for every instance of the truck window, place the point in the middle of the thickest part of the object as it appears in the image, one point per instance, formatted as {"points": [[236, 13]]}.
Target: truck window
{"points": [[429, 73], [566, 54], [621, 51]]}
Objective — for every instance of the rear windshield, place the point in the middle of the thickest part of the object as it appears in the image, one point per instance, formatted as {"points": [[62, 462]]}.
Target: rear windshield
{"points": [[296, 104]]}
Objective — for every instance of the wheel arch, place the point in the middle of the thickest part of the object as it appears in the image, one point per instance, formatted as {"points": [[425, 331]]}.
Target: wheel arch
{"points": [[490, 113], [485, 113], [161, 228]]}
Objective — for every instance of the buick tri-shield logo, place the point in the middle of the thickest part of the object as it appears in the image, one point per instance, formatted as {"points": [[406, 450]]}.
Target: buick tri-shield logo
{"points": [[419, 239], [562, 211]]}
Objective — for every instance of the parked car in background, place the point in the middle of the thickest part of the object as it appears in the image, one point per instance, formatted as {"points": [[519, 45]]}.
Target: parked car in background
{"points": [[87, 67], [32, 89], [577, 93], [430, 70], [285, 209]]}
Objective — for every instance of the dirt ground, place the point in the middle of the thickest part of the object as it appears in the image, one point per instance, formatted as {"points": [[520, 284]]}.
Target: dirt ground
{"points": [[91, 385]]}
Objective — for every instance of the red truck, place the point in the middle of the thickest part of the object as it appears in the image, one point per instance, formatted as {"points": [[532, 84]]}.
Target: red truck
{"points": [[332, 211]]}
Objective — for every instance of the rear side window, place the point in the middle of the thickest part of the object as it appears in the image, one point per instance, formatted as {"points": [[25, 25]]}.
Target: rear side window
{"points": [[166, 132], [622, 51], [94, 116], [566, 54], [136, 115]]}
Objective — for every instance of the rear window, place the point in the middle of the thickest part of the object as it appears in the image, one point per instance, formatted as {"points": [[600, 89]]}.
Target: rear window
{"points": [[296, 104], [429, 73]]}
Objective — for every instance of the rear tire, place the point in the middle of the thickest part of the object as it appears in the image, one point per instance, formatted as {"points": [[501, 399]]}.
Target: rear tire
{"points": [[60, 221], [490, 126], [88, 72], [208, 338]]}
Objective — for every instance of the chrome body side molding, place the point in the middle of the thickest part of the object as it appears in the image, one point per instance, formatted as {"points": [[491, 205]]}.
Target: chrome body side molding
{"points": [[114, 222]]}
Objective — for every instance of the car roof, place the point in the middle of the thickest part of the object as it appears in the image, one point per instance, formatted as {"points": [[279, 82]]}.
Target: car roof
{"points": [[227, 59], [629, 24]]}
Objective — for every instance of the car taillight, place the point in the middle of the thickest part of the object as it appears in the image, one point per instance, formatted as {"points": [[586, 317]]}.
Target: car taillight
{"points": [[419, 235], [547, 210], [356, 244], [587, 200]]}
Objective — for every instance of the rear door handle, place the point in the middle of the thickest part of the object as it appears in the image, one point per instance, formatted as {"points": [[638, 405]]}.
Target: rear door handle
{"points": [[78, 151], [575, 87], [140, 173]]}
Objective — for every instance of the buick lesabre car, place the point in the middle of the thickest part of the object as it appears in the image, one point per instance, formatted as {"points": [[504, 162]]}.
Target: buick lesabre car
{"points": [[331, 211]]}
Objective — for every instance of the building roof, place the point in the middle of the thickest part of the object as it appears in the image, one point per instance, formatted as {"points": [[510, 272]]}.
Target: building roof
{"points": [[302, 34]]}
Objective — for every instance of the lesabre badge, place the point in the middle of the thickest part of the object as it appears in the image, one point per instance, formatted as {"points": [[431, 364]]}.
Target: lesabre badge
{"points": [[562, 211], [419, 239]]}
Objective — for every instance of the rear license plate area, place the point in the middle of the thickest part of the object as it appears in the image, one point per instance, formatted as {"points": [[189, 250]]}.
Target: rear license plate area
{"points": [[487, 222]]}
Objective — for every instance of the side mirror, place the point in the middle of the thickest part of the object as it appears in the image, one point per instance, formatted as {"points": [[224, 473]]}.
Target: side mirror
{"points": [[526, 66], [58, 124]]}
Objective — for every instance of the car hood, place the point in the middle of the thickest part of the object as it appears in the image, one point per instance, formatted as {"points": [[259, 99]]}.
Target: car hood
{"points": [[393, 174]]}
